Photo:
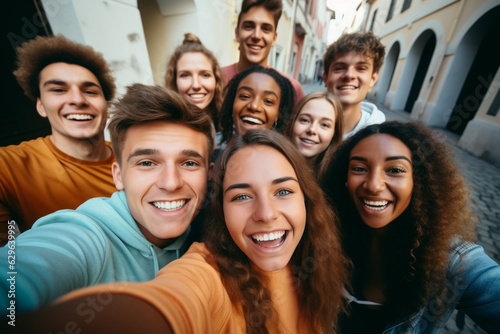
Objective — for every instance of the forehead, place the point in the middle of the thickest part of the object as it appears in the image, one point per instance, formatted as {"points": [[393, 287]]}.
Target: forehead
{"points": [[353, 57], [66, 72], [260, 81], [246, 165], [318, 107], [168, 138], [193, 60], [258, 15], [381, 146]]}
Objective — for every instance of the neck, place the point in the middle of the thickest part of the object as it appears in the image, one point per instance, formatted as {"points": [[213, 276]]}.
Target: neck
{"points": [[352, 115], [243, 64], [89, 149]]}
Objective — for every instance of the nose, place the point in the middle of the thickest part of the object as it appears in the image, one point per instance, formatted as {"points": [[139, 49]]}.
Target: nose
{"points": [[264, 210], [255, 105], [196, 82], [76, 97], [257, 33], [313, 128], [169, 178], [375, 182]]}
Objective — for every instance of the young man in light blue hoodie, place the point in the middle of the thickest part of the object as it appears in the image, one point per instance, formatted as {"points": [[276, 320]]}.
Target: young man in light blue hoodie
{"points": [[163, 147], [352, 65]]}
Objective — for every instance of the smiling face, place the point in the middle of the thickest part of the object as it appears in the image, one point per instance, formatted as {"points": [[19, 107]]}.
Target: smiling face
{"points": [[256, 104], [264, 207], [350, 77], [314, 127], [256, 35], [195, 78], [164, 174], [380, 179], [72, 100]]}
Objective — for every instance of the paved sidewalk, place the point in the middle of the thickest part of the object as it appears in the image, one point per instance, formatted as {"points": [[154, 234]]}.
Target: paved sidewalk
{"points": [[483, 180]]}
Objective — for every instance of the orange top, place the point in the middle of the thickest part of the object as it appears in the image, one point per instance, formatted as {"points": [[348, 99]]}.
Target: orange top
{"points": [[36, 179], [191, 296]]}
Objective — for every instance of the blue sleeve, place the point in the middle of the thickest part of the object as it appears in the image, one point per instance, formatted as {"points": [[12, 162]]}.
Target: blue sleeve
{"points": [[51, 260], [477, 278]]}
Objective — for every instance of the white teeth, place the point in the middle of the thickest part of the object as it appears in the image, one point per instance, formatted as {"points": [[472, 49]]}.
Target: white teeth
{"points": [[347, 88], [376, 205], [79, 117], [269, 236], [307, 141], [255, 47], [197, 96], [252, 120], [170, 206]]}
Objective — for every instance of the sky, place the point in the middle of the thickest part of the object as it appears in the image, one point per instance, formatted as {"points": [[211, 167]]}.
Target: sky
{"points": [[344, 15]]}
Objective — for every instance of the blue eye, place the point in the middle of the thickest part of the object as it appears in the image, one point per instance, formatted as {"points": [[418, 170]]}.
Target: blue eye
{"points": [[240, 198], [283, 192]]}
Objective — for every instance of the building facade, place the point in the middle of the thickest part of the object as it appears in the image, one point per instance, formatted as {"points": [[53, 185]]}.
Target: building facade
{"points": [[137, 37], [441, 66]]}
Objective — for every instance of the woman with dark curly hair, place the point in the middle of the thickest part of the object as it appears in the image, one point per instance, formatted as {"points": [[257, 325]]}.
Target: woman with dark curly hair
{"points": [[256, 98], [271, 261], [194, 72], [408, 229]]}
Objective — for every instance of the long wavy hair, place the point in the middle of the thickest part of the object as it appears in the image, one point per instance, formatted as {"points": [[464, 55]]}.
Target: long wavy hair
{"points": [[319, 266], [421, 237], [192, 43], [324, 159], [286, 101]]}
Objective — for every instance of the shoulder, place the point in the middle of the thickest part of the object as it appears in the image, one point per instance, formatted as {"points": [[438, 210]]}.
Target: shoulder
{"points": [[374, 115], [25, 149]]}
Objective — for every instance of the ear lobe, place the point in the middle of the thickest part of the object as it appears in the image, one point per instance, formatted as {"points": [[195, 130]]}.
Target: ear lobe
{"points": [[374, 79], [275, 37], [324, 79], [117, 175], [40, 108], [236, 34]]}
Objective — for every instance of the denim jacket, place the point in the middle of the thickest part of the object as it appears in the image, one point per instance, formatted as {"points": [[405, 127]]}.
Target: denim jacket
{"points": [[476, 280]]}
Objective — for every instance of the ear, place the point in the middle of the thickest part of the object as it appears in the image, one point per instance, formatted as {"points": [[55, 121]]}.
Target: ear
{"points": [[117, 175], [275, 37], [324, 79], [374, 78], [237, 34], [211, 171], [40, 108]]}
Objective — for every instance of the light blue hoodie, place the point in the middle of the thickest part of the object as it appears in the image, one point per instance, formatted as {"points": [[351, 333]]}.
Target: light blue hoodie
{"points": [[98, 242]]}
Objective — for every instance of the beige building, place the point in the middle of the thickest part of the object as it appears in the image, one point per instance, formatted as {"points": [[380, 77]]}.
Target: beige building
{"points": [[441, 66]]}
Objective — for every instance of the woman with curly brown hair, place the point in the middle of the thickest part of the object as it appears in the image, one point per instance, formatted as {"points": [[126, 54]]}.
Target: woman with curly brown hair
{"points": [[194, 72], [408, 229], [271, 261]]}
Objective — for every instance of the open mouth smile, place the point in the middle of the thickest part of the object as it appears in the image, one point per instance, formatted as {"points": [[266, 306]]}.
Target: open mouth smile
{"points": [[376, 205], [169, 206], [79, 117], [269, 240], [252, 120], [307, 141]]}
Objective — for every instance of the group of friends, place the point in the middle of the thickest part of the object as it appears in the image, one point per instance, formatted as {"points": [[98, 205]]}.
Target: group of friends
{"points": [[229, 202]]}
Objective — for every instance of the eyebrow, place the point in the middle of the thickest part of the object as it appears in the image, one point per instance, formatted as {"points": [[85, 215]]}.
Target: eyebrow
{"points": [[61, 83], [358, 63], [247, 185], [251, 89], [154, 151], [396, 157], [311, 116]]}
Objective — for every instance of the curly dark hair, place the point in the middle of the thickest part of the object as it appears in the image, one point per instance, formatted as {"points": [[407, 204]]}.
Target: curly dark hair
{"points": [[192, 43], [33, 56], [421, 237], [320, 290], [364, 43], [286, 101]]}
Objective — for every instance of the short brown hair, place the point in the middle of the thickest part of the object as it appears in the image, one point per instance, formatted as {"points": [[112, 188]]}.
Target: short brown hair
{"points": [[192, 43], [273, 6], [33, 56], [144, 104], [364, 43]]}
